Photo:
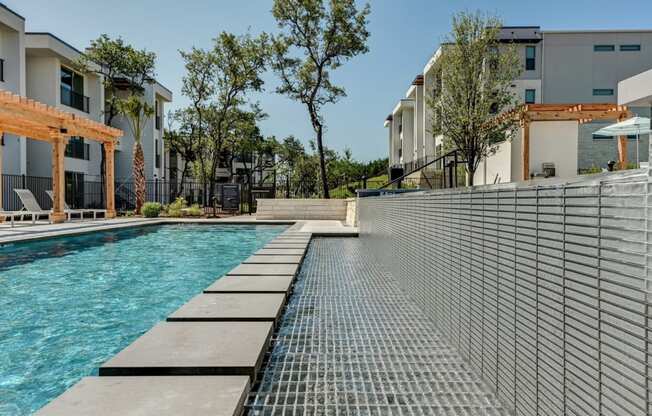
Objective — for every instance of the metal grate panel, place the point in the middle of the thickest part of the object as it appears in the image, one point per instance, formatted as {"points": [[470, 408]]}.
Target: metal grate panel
{"points": [[352, 343]]}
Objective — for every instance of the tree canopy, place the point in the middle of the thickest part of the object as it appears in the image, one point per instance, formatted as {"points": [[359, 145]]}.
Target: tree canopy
{"points": [[474, 74], [317, 37]]}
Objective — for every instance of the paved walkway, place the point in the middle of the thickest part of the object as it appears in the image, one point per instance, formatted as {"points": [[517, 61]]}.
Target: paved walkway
{"points": [[351, 343]]}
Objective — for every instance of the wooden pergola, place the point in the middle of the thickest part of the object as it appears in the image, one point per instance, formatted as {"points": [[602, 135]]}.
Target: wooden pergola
{"points": [[25, 117], [582, 113]]}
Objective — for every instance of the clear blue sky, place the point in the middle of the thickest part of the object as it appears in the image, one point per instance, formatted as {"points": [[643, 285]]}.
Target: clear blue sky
{"points": [[404, 33]]}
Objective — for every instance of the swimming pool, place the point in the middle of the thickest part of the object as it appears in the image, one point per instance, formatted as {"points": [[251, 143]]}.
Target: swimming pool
{"points": [[67, 305]]}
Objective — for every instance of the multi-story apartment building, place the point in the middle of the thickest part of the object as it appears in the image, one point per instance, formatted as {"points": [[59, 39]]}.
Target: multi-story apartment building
{"points": [[41, 66], [558, 67]]}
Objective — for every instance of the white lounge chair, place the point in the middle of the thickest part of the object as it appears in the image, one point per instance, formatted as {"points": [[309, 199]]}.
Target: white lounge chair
{"points": [[30, 204], [31, 207], [80, 211], [12, 215]]}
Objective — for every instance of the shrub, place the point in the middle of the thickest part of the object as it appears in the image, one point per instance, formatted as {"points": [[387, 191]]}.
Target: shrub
{"points": [[194, 211], [151, 209], [176, 207]]}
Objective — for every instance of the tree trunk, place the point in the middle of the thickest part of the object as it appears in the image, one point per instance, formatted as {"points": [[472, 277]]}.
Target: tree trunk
{"points": [[322, 162], [139, 176]]}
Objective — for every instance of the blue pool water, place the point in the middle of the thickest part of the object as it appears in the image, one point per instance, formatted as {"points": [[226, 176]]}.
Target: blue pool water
{"points": [[67, 305]]}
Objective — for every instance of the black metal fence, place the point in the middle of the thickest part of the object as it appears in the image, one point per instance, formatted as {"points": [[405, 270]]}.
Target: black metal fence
{"points": [[84, 192]]}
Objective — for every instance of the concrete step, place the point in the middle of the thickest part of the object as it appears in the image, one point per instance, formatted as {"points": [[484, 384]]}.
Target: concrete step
{"points": [[280, 252], [194, 348], [152, 396], [255, 259], [265, 269], [237, 307], [251, 284]]}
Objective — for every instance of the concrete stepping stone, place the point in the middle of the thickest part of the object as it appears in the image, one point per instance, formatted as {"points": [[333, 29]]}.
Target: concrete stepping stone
{"points": [[231, 307], [255, 259], [152, 396], [194, 348], [287, 245], [280, 252], [251, 284], [265, 269]]}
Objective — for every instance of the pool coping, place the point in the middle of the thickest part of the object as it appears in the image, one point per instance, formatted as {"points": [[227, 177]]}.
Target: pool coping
{"points": [[119, 224]]}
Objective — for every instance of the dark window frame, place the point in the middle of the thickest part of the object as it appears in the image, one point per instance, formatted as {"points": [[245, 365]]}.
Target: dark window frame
{"points": [[630, 48], [534, 96], [530, 62], [604, 48], [603, 92], [77, 148], [2, 70], [157, 155]]}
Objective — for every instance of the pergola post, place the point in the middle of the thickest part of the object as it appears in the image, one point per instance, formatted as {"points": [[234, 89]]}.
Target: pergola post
{"points": [[1, 190], [59, 142], [622, 148], [525, 148], [109, 149]]}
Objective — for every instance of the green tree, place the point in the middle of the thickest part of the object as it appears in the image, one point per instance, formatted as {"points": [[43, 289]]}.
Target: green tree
{"points": [[181, 141], [289, 152], [475, 73], [317, 37], [137, 112], [124, 71], [217, 82]]}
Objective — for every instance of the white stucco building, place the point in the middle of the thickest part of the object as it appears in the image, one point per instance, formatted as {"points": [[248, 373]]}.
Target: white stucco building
{"points": [[559, 67], [40, 66]]}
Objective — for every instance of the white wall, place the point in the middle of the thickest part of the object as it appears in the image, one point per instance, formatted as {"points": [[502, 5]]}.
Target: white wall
{"points": [[12, 46], [550, 142], [496, 168]]}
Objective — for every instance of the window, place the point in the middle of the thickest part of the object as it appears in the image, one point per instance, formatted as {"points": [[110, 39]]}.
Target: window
{"points": [[603, 91], [72, 90], [158, 155], [598, 137], [630, 48], [158, 116], [631, 136], [74, 189], [604, 48], [530, 96], [530, 58], [76, 148], [2, 70]]}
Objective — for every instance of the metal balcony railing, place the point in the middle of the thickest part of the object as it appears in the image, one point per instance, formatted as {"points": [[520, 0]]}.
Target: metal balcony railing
{"points": [[74, 100]]}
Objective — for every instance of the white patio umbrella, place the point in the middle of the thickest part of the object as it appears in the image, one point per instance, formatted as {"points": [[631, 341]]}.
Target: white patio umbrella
{"points": [[635, 125]]}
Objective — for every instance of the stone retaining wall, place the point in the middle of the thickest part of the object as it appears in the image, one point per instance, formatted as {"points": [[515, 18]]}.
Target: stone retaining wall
{"points": [[302, 209]]}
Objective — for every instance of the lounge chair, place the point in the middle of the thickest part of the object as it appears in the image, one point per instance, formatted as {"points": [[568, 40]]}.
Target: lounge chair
{"points": [[30, 207], [80, 211], [30, 204], [12, 215]]}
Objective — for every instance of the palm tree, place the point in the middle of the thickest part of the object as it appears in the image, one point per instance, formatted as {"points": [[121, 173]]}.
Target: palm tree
{"points": [[137, 112]]}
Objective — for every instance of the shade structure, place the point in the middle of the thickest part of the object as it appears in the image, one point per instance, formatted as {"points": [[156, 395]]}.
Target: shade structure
{"points": [[634, 125], [22, 116]]}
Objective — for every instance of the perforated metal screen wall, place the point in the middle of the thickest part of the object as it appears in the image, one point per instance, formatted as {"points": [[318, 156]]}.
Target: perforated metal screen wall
{"points": [[543, 289]]}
